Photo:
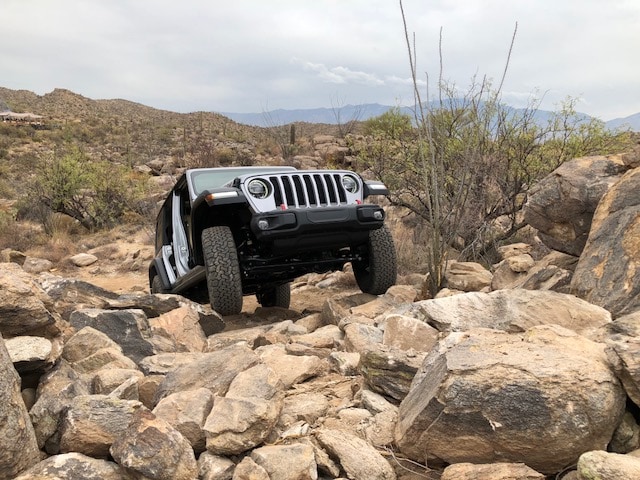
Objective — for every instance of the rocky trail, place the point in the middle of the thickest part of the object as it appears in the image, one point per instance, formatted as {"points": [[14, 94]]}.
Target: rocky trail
{"points": [[525, 370]]}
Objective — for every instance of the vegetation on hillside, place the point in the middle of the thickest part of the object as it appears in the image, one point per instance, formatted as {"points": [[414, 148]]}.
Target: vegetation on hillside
{"points": [[464, 166], [462, 169]]}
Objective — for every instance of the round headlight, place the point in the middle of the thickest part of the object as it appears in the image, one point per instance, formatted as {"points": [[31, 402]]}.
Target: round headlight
{"points": [[350, 184], [258, 188]]}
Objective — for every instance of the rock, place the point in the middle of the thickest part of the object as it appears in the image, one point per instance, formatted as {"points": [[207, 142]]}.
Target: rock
{"points": [[18, 444], [85, 342], [147, 389], [154, 449], [32, 354], [287, 462], [163, 363], [292, 369], [561, 206], [345, 363], [56, 390], [359, 337], [83, 259], [504, 277], [181, 329], [69, 295], [248, 413], [552, 272], [70, 466], [492, 471], [604, 465], [511, 311], [520, 263], [37, 265], [408, 333], [511, 398], [357, 458], [514, 249], [89, 350], [626, 362], [128, 328], [247, 469], [213, 371], [93, 422], [24, 307], [214, 467], [236, 425], [248, 336], [259, 381], [335, 309], [327, 336], [606, 274], [302, 407], [186, 412], [389, 370], [467, 276], [8, 255], [107, 380], [626, 437]]}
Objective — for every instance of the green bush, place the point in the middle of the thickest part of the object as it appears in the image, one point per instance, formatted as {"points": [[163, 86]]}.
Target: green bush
{"points": [[95, 193], [470, 162]]}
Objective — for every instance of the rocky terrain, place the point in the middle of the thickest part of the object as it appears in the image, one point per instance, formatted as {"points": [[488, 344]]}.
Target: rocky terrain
{"points": [[527, 370]]}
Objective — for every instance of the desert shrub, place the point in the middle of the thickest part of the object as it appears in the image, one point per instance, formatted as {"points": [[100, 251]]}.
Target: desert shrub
{"points": [[466, 161], [95, 193]]}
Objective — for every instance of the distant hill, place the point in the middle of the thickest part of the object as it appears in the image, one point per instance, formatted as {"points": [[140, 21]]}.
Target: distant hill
{"points": [[334, 116], [632, 121], [330, 116]]}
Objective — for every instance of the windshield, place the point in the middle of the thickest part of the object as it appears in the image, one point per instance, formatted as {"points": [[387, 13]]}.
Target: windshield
{"points": [[209, 178]]}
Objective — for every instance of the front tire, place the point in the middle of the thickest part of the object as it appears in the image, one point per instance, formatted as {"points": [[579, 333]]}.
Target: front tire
{"points": [[279, 296], [223, 270], [156, 285], [378, 270]]}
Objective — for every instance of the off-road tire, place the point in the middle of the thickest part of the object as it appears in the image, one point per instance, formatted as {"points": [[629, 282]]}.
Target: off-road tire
{"points": [[279, 296], [222, 270], [377, 271], [156, 285]]}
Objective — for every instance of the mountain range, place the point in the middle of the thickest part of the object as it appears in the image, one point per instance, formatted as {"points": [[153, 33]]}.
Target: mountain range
{"points": [[344, 114]]}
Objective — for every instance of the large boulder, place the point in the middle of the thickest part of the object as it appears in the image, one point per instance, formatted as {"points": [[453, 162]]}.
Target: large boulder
{"points": [[91, 423], [24, 306], [70, 466], [541, 398], [214, 371], [357, 458], [154, 449], [128, 328], [512, 311], [561, 205], [56, 390], [607, 272], [18, 445]]}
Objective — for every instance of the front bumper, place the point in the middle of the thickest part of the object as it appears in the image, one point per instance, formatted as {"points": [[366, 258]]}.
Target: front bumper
{"points": [[331, 226]]}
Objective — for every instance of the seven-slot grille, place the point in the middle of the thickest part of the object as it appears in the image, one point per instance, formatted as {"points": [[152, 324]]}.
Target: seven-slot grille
{"points": [[308, 190]]}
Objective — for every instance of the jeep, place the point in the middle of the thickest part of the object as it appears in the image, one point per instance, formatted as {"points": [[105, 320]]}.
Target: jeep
{"points": [[235, 231]]}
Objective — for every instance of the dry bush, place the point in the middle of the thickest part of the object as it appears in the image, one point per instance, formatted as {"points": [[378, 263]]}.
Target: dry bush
{"points": [[56, 249]]}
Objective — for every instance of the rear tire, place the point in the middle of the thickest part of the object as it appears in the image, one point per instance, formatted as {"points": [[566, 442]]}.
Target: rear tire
{"points": [[223, 270], [378, 270], [279, 296]]}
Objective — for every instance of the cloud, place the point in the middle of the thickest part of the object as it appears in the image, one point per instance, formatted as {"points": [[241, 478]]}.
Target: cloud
{"points": [[339, 75]]}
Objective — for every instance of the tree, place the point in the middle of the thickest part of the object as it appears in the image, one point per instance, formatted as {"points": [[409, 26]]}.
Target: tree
{"points": [[467, 161], [95, 193]]}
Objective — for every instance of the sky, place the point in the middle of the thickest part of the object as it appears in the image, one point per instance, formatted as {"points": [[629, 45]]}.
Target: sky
{"points": [[252, 56]]}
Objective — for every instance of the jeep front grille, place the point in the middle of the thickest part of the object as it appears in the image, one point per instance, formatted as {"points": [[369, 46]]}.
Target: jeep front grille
{"points": [[308, 190], [304, 189]]}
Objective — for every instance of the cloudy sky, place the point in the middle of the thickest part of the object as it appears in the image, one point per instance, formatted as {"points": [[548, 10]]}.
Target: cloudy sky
{"points": [[259, 55]]}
